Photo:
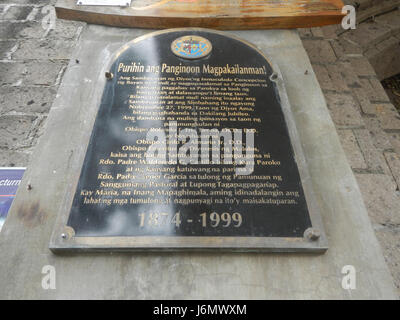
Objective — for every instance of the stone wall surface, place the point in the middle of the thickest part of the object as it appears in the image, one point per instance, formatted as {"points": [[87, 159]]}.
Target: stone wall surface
{"points": [[377, 35], [349, 66], [33, 57]]}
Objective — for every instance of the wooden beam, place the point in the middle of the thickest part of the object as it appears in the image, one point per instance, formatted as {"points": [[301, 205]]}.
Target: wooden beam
{"points": [[216, 14]]}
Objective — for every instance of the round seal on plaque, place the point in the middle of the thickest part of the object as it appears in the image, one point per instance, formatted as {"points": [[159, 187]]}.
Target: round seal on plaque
{"points": [[191, 47]]}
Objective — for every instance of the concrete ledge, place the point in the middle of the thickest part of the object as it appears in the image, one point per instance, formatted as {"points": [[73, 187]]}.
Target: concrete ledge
{"points": [[25, 237]]}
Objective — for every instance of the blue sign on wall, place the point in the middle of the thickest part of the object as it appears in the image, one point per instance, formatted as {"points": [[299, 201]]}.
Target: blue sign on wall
{"points": [[10, 179]]}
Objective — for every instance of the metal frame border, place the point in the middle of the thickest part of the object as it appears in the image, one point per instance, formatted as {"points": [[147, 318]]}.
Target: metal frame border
{"points": [[63, 238]]}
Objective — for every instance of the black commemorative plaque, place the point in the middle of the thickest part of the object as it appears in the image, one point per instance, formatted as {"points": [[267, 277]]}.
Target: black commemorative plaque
{"points": [[193, 147]]}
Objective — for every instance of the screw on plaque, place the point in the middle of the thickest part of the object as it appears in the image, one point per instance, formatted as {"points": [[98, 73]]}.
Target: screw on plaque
{"points": [[312, 234], [109, 75], [68, 233], [273, 77]]}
